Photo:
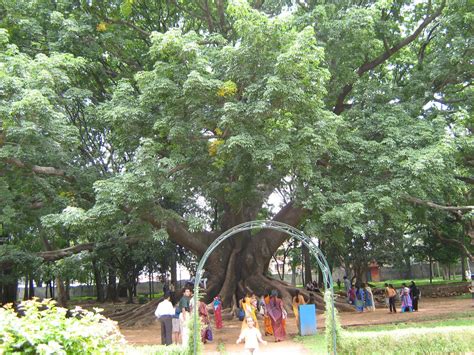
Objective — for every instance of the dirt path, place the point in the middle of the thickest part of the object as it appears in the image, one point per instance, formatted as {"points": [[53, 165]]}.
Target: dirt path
{"points": [[429, 309]]}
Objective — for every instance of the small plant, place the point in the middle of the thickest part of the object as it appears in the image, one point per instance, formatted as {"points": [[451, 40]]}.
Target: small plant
{"points": [[44, 328], [332, 321], [142, 299]]}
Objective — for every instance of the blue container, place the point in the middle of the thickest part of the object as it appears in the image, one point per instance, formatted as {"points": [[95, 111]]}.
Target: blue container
{"points": [[308, 319]]}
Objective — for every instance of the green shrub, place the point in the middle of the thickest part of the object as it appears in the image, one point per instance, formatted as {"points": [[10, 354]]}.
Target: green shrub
{"points": [[331, 322], [44, 329], [409, 341], [142, 299]]}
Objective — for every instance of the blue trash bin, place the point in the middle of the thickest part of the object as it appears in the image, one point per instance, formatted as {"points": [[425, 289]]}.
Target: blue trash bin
{"points": [[308, 319]]}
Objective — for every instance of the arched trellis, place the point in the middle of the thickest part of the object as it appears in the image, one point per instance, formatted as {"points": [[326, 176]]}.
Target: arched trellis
{"points": [[278, 226]]}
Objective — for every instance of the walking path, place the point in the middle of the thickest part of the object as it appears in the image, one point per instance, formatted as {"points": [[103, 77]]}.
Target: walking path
{"points": [[430, 309]]}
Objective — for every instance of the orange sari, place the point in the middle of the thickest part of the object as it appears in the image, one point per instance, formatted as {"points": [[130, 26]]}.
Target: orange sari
{"points": [[267, 320]]}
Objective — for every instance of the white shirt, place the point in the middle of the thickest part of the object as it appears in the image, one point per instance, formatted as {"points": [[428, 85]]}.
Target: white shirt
{"points": [[165, 308]]}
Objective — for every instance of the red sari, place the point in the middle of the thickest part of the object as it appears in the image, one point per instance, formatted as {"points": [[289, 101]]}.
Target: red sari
{"points": [[204, 318], [218, 312], [275, 311]]}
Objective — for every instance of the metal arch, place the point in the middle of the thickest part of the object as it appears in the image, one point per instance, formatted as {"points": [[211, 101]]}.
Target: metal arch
{"points": [[278, 226]]}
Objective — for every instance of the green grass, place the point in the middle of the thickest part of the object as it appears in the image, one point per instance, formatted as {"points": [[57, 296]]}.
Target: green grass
{"points": [[378, 338], [316, 344], [154, 295], [418, 282], [154, 350]]}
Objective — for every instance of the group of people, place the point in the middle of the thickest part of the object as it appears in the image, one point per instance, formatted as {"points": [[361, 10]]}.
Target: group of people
{"points": [[174, 319], [270, 306], [359, 295], [409, 297]]}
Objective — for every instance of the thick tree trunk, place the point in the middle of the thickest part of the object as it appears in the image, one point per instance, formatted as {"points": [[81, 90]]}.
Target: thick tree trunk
{"points": [[8, 287], [463, 268], [25, 290], [62, 298], [32, 288], [112, 286], [98, 282], [431, 269]]}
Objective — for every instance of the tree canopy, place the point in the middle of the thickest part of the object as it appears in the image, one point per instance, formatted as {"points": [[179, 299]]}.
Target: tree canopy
{"points": [[141, 119]]}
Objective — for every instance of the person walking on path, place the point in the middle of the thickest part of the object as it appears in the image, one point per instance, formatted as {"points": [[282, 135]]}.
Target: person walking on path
{"points": [[277, 313], [415, 293], [297, 301], [386, 295], [347, 287], [204, 319], [392, 294], [217, 304], [359, 300], [267, 321], [352, 295], [406, 299], [165, 312], [185, 307], [251, 336]]}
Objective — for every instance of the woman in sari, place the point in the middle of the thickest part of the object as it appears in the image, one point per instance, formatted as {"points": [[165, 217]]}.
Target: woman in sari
{"points": [[297, 301], [359, 301], [250, 311], [406, 299], [276, 313], [369, 298], [266, 318], [218, 311], [204, 318]]}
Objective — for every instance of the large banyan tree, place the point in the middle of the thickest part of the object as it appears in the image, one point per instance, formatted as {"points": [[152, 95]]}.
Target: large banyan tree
{"points": [[179, 119]]}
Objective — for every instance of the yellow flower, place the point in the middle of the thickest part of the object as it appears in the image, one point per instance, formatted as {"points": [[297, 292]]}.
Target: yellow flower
{"points": [[229, 88], [102, 27], [213, 146]]}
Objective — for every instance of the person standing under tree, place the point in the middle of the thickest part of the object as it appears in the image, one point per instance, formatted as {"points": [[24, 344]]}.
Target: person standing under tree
{"points": [[297, 301], [217, 305], [266, 318], [406, 299], [415, 293], [185, 308], [252, 337], [347, 287], [165, 312], [392, 293], [369, 298], [277, 314]]}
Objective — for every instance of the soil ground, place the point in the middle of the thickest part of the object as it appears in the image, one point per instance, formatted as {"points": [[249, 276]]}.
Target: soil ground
{"points": [[430, 309]]}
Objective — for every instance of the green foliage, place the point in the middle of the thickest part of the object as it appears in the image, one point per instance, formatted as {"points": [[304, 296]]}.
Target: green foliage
{"points": [[333, 325], [45, 329]]}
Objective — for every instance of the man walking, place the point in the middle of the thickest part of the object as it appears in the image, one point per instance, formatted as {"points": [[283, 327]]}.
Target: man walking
{"points": [[165, 312]]}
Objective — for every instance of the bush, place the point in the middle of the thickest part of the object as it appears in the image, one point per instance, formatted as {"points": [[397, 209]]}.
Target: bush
{"points": [[142, 299], [44, 328], [409, 341]]}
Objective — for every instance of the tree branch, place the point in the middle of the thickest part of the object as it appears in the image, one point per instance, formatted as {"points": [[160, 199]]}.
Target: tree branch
{"points": [[339, 106], [418, 201], [461, 245], [272, 239], [143, 33], [53, 255], [41, 170]]}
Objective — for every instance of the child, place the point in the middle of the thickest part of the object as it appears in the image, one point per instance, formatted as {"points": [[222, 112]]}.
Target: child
{"points": [[252, 337]]}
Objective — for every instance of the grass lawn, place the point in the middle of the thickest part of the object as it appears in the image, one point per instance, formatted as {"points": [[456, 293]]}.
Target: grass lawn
{"points": [[386, 333], [418, 282]]}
